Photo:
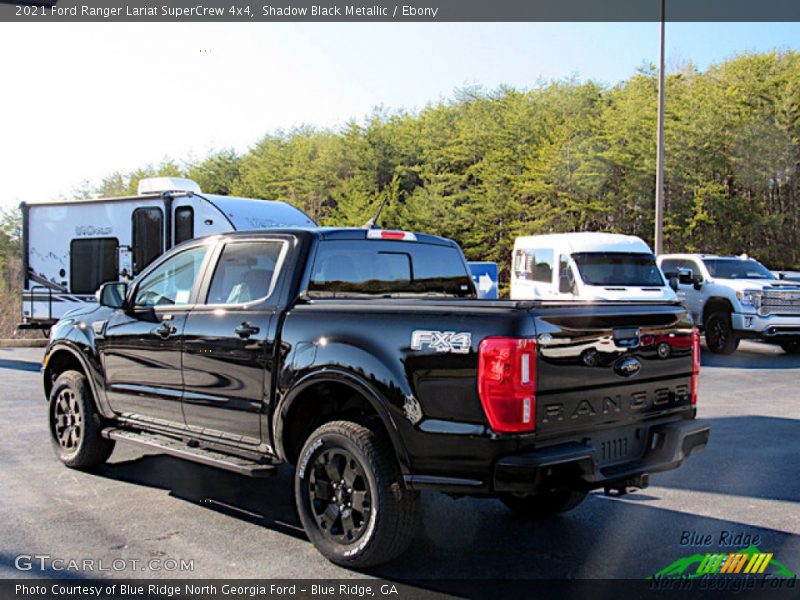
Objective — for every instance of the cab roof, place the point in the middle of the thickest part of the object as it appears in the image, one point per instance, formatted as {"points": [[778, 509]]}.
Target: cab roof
{"points": [[342, 233]]}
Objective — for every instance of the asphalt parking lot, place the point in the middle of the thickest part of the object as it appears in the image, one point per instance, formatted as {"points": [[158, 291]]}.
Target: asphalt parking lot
{"points": [[145, 506]]}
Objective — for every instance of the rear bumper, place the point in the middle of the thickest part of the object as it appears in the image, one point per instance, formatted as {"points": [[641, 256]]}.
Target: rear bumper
{"points": [[576, 465]]}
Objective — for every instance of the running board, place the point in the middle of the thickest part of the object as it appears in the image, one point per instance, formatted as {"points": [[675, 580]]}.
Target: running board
{"points": [[180, 449]]}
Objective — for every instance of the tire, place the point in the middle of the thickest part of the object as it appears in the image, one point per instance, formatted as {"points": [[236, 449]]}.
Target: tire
{"points": [[536, 506], [75, 424], [791, 347], [720, 336], [369, 520]]}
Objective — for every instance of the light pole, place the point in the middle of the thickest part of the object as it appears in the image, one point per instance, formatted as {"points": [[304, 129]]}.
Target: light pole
{"points": [[659, 237]]}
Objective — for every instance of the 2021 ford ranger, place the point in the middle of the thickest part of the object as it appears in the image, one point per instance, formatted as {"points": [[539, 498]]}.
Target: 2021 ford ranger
{"points": [[363, 358]]}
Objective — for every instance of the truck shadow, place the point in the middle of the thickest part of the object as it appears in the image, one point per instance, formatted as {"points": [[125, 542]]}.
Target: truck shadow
{"points": [[748, 456], [265, 501], [479, 538], [468, 539], [604, 539]]}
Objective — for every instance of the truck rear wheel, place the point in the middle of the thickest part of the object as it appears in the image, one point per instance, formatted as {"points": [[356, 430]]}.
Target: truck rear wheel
{"points": [[75, 424], [720, 336], [533, 506], [791, 347], [351, 498]]}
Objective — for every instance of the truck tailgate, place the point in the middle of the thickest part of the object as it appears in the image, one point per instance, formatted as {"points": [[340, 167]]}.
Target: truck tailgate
{"points": [[605, 366]]}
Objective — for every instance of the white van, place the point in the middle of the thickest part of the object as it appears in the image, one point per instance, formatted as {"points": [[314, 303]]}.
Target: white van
{"points": [[586, 266]]}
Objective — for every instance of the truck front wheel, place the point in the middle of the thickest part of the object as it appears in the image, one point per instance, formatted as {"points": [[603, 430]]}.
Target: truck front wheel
{"points": [[533, 506], [75, 424], [720, 336], [351, 498]]}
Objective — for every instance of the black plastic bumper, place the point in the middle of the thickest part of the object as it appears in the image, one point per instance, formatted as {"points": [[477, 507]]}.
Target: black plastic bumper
{"points": [[576, 465]]}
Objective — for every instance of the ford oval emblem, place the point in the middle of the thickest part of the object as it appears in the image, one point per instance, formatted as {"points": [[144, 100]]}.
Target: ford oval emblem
{"points": [[627, 367]]}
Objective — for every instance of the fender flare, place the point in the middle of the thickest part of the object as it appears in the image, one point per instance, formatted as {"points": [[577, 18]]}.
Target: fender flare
{"points": [[715, 300], [88, 370], [340, 376]]}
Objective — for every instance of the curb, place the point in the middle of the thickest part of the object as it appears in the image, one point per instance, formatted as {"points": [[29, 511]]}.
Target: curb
{"points": [[22, 343]]}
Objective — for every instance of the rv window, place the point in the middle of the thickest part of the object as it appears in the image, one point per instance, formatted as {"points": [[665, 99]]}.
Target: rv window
{"points": [[172, 281], [245, 272], [148, 237], [93, 262], [184, 224]]}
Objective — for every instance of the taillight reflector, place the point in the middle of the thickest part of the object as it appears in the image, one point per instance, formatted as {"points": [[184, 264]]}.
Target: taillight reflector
{"points": [[695, 362], [507, 383]]}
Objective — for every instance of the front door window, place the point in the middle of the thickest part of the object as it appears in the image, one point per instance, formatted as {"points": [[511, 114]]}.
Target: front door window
{"points": [[172, 282]]}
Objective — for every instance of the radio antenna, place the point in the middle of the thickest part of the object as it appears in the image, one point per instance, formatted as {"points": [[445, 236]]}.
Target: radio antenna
{"points": [[373, 222]]}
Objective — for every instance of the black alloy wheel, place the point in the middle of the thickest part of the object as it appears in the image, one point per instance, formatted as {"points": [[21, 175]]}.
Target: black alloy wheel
{"points": [[339, 495], [351, 497], [720, 337]]}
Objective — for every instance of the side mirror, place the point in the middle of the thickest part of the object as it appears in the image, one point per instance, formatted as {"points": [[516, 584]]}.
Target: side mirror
{"points": [[685, 276], [564, 285], [673, 283], [112, 294]]}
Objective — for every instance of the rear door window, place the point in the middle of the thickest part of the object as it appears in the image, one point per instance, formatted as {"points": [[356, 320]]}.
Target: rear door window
{"points": [[245, 272]]}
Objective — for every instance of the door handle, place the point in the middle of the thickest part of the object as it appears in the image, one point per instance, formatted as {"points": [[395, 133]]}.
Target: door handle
{"points": [[245, 330], [167, 328]]}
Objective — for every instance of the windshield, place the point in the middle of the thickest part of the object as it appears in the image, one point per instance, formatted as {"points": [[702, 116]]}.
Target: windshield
{"points": [[736, 268], [618, 268]]}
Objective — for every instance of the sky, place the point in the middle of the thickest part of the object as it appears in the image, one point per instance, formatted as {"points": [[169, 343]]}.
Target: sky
{"points": [[80, 101]]}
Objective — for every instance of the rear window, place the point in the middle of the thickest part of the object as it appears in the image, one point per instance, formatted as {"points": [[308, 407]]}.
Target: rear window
{"points": [[382, 268]]}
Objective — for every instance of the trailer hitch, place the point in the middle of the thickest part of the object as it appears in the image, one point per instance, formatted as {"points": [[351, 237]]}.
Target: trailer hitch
{"points": [[620, 488]]}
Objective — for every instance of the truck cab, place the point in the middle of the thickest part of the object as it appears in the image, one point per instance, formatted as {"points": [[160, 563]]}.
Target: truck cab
{"points": [[586, 266], [736, 297]]}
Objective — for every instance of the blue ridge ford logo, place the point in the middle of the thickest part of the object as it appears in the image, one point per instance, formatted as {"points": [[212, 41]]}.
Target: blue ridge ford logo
{"points": [[627, 367]]}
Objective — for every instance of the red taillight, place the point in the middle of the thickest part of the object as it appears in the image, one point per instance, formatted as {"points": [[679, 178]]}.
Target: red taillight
{"points": [[507, 383], [695, 362]]}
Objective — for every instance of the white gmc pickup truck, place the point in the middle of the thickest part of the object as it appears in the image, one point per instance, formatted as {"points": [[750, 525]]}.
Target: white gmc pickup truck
{"points": [[734, 298]]}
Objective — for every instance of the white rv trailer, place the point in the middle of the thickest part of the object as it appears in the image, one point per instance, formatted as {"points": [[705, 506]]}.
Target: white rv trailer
{"points": [[69, 248], [586, 266]]}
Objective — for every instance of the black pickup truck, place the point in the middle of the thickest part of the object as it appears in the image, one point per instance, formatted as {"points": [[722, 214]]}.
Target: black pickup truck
{"points": [[363, 357]]}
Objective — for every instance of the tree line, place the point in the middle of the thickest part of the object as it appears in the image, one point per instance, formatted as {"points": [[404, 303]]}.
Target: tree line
{"points": [[486, 166]]}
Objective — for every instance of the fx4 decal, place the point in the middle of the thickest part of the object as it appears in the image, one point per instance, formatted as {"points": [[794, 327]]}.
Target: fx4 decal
{"points": [[442, 341]]}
